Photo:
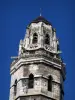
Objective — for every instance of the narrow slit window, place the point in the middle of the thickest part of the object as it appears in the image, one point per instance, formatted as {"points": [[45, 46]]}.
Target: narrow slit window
{"points": [[47, 39], [31, 81], [50, 83], [15, 87], [35, 38]]}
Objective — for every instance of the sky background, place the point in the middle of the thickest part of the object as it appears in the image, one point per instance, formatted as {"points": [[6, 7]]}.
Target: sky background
{"points": [[15, 15]]}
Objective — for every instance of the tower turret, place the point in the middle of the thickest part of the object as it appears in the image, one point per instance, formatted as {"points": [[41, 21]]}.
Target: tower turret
{"points": [[38, 72]]}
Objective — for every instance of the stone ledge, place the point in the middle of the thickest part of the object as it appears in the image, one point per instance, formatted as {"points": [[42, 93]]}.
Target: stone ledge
{"points": [[32, 92]]}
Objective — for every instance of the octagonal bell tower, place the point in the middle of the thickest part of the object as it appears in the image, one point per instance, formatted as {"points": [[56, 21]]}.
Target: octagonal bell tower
{"points": [[38, 72]]}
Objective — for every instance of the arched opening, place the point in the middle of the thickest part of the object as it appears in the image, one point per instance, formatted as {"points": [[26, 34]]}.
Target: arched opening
{"points": [[31, 81], [15, 87], [50, 83], [35, 38], [58, 47], [47, 39]]}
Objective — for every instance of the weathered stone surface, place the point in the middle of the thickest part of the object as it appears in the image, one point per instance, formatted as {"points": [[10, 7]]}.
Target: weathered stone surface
{"points": [[41, 60]]}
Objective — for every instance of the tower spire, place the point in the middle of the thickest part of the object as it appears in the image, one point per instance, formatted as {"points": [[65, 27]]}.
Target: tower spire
{"points": [[40, 12]]}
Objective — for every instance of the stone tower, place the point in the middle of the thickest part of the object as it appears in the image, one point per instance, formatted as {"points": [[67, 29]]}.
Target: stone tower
{"points": [[38, 72]]}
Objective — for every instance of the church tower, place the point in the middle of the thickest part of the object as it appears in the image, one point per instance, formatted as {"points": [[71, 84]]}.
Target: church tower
{"points": [[38, 72]]}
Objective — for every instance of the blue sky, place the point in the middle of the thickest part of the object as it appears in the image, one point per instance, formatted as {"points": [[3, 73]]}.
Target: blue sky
{"points": [[15, 15]]}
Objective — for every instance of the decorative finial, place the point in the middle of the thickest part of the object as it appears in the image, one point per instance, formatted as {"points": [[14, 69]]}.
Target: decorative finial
{"points": [[40, 12]]}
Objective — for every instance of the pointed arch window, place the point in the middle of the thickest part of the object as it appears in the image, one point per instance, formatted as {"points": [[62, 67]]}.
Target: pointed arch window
{"points": [[50, 83], [35, 38], [47, 39], [15, 87], [31, 81]]}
